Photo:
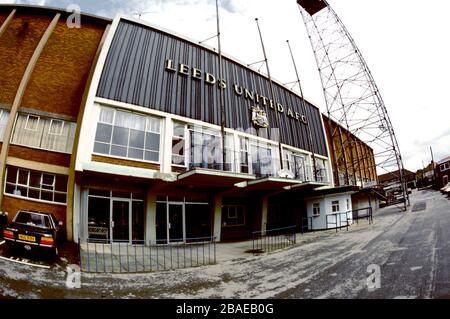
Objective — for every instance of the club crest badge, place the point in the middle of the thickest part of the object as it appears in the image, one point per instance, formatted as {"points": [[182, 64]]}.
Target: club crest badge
{"points": [[259, 117]]}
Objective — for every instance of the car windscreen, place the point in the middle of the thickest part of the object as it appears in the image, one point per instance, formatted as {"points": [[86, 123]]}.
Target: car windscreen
{"points": [[32, 219]]}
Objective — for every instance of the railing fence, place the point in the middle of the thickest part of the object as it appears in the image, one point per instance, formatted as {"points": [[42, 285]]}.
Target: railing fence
{"points": [[363, 213], [274, 239], [338, 220], [106, 256]]}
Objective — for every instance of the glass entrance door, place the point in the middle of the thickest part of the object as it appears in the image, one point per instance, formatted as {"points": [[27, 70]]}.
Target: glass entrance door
{"points": [[175, 225], [120, 217]]}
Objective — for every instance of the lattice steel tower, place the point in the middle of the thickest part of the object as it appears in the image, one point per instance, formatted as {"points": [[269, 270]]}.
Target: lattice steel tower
{"points": [[352, 98]]}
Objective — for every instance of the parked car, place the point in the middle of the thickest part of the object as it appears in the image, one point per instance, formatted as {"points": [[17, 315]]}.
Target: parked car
{"points": [[3, 222], [34, 231]]}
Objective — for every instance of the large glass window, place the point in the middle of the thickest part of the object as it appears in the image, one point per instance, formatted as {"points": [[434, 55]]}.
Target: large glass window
{"points": [[262, 161], [321, 171], [44, 133], [296, 163], [36, 185], [178, 144], [198, 220], [299, 167], [126, 134], [233, 215], [205, 148], [4, 115], [244, 155], [116, 215]]}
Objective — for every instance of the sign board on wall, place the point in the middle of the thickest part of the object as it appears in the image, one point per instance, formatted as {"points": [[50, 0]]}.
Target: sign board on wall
{"points": [[151, 68]]}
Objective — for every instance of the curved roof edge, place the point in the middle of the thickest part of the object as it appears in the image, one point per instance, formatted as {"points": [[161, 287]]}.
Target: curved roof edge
{"points": [[172, 33], [48, 9], [209, 48]]}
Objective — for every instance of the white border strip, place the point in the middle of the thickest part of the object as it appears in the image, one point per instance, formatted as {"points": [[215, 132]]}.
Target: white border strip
{"points": [[2, 242], [24, 263]]}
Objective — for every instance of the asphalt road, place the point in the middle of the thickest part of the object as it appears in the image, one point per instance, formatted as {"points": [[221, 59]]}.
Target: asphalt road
{"points": [[411, 251], [413, 255]]}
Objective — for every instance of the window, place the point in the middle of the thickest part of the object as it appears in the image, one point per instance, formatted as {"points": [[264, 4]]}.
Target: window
{"points": [[99, 213], [4, 115], [178, 144], [262, 164], [205, 151], [445, 167], [32, 123], [33, 219], [44, 133], [244, 155], [36, 185], [299, 167], [126, 134], [316, 209], [335, 206], [287, 160], [348, 204], [56, 127], [321, 170], [233, 215], [229, 152]]}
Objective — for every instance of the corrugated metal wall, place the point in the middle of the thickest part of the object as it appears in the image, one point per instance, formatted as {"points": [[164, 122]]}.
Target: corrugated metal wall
{"points": [[135, 73]]}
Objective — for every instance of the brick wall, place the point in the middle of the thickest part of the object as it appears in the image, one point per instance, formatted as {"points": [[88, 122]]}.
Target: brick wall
{"points": [[360, 152], [41, 156], [59, 79], [12, 205], [3, 17], [17, 45]]}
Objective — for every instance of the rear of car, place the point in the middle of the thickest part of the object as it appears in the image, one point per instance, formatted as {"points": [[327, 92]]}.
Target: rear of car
{"points": [[32, 231], [3, 223]]}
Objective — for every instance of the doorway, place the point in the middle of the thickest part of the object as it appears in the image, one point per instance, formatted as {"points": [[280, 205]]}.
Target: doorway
{"points": [[120, 220], [176, 221], [115, 216], [170, 222]]}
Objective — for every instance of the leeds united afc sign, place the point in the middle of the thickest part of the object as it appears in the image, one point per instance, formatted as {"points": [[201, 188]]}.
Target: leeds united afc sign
{"points": [[259, 117]]}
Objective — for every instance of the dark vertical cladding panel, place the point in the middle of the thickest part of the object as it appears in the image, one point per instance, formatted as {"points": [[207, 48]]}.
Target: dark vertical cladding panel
{"points": [[135, 72]]}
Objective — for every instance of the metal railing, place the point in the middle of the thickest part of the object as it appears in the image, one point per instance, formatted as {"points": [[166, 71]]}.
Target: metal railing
{"points": [[244, 163], [338, 220], [307, 223], [363, 213], [273, 239], [106, 256]]}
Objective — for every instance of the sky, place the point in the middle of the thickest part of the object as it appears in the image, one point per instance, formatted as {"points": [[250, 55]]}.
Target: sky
{"points": [[404, 43]]}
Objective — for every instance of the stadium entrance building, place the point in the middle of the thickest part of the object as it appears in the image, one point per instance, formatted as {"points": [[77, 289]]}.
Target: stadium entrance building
{"points": [[136, 145], [156, 164]]}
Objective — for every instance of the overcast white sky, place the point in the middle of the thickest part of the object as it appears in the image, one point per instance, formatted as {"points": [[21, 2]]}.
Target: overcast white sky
{"points": [[404, 42]]}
